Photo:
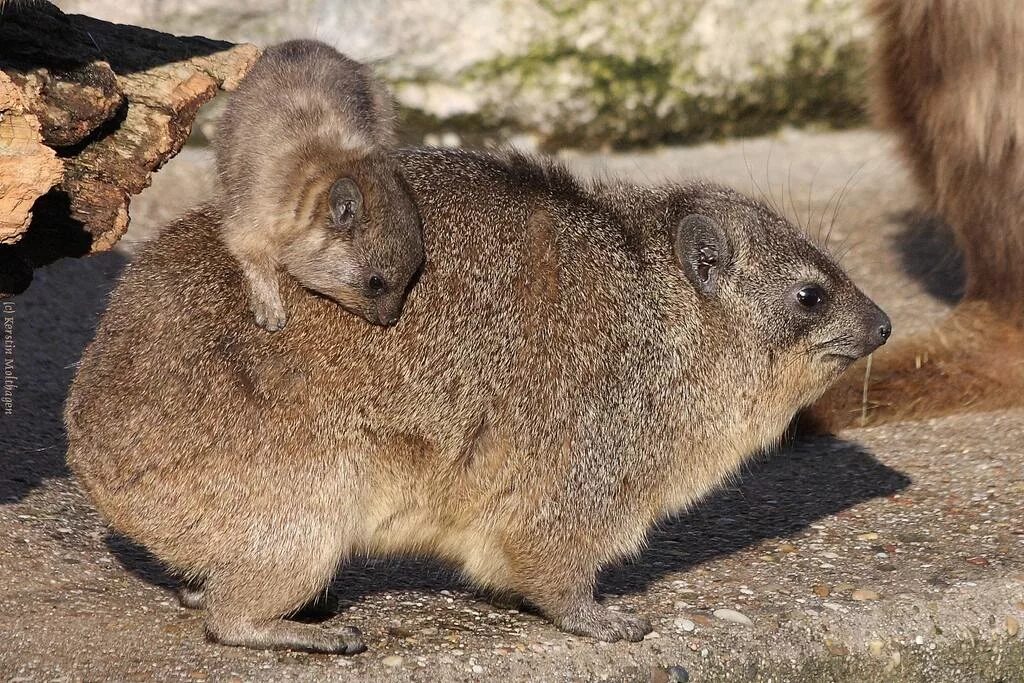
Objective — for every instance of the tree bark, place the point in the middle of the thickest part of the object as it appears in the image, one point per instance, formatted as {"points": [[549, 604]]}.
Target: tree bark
{"points": [[88, 111]]}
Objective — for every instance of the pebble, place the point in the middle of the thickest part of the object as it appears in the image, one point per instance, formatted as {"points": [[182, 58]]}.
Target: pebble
{"points": [[872, 536], [862, 594], [686, 625], [733, 616], [1012, 626], [821, 590], [652, 635], [876, 648], [678, 674], [787, 548], [392, 661], [477, 669]]}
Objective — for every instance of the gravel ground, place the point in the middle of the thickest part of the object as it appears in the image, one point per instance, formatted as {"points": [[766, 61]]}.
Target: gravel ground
{"points": [[892, 553]]}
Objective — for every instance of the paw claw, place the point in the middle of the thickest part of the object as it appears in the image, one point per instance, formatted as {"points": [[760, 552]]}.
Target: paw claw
{"points": [[601, 623], [270, 316]]}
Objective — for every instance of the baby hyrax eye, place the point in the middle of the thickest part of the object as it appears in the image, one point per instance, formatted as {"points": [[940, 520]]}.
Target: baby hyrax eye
{"points": [[376, 284], [811, 297]]}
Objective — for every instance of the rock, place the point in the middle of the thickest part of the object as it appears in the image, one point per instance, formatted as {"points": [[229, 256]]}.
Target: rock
{"points": [[684, 624], [821, 590], [733, 616], [1012, 626], [677, 674], [864, 594], [598, 73], [876, 648], [392, 661]]}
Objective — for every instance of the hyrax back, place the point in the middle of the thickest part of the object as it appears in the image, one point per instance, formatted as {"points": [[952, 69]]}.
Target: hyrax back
{"points": [[308, 185], [574, 363]]}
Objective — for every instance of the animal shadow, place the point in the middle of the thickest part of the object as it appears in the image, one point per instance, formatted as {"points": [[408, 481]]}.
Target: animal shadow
{"points": [[929, 254], [777, 496], [52, 322]]}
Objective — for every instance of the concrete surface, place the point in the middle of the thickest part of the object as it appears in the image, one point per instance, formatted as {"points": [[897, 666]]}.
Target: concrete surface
{"points": [[892, 553]]}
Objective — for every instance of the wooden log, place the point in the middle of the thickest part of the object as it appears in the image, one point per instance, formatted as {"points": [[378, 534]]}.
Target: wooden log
{"points": [[88, 111]]}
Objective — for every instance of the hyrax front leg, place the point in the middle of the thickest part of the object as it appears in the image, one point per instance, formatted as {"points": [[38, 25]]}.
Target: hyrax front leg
{"points": [[564, 592]]}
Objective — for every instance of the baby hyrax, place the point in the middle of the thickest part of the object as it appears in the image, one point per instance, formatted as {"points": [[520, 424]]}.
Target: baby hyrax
{"points": [[577, 362], [308, 185]]}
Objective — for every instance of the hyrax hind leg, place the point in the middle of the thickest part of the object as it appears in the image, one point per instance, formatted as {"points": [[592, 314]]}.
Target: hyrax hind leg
{"points": [[247, 609]]}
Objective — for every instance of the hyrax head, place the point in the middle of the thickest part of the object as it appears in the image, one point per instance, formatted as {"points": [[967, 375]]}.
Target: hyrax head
{"points": [[795, 317], [363, 246]]}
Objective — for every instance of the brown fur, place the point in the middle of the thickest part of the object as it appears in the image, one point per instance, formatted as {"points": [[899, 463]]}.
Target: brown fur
{"points": [[575, 363], [948, 79], [308, 185]]}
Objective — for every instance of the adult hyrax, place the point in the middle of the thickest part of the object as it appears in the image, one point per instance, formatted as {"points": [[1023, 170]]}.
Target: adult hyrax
{"points": [[308, 185], [575, 363]]}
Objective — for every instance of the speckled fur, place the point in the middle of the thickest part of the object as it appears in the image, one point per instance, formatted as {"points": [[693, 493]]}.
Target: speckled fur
{"points": [[556, 385]]}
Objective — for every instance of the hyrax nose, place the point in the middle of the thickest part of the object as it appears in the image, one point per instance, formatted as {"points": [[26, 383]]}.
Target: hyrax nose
{"points": [[880, 329]]}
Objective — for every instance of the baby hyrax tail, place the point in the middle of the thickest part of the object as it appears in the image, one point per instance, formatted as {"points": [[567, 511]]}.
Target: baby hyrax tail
{"points": [[308, 185]]}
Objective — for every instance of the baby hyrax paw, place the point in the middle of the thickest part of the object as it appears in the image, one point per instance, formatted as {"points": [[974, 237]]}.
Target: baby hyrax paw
{"points": [[269, 312], [601, 623]]}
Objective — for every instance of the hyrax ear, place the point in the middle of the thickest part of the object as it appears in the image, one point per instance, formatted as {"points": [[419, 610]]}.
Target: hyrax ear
{"points": [[703, 251], [346, 203]]}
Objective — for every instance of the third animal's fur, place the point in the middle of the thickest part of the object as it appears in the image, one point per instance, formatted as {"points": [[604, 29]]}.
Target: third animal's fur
{"points": [[308, 184], [949, 80]]}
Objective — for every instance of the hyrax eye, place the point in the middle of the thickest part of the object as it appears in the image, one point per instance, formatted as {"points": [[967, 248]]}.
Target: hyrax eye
{"points": [[376, 284], [810, 296]]}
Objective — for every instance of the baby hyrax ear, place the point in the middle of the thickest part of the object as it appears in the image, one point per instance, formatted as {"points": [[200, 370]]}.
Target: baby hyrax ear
{"points": [[346, 203], [703, 251]]}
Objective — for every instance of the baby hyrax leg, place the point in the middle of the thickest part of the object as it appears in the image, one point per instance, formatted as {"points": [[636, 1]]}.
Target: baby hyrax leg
{"points": [[264, 293]]}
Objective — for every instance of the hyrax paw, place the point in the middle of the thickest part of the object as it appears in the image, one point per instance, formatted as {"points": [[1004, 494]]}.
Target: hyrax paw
{"points": [[601, 623], [192, 598], [270, 315], [344, 641]]}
